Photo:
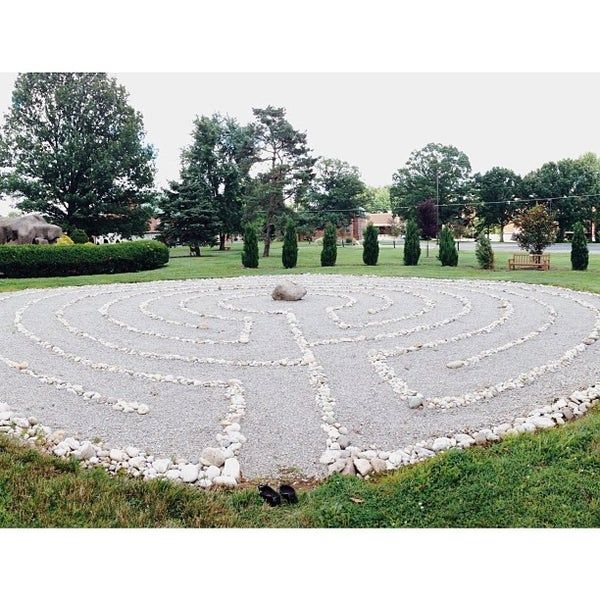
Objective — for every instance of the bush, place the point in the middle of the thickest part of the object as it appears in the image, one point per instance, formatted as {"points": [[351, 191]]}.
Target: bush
{"points": [[31, 260], [289, 255], [448, 254], [329, 252], [537, 229], [64, 240], [484, 252], [412, 246], [370, 245], [79, 236], [579, 250], [250, 251]]}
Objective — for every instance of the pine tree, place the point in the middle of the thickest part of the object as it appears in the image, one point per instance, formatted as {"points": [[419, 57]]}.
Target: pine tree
{"points": [[579, 249], [412, 246], [448, 255], [289, 256], [370, 245], [250, 251], [484, 252], [329, 252]]}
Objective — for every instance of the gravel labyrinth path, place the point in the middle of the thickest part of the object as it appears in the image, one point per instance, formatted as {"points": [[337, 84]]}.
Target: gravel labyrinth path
{"points": [[354, 376]]}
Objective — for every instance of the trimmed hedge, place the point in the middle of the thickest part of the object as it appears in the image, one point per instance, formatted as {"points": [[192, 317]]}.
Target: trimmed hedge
{"points": [[32, 260]]}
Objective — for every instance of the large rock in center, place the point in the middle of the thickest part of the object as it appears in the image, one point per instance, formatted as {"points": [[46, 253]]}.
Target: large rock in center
{"points": [[288, 291]]}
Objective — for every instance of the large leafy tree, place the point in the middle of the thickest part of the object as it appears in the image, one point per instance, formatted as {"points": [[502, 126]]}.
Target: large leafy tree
{"points": [[537, 229], [376, 199], [218, 162], [284, 165], [336, 193], [496, 191], [73, 149], [187, 216], [568, 183], [435, 171]]}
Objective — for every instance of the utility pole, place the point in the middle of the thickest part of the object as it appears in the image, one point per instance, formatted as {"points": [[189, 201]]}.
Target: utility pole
{"points": [[437, 202]]}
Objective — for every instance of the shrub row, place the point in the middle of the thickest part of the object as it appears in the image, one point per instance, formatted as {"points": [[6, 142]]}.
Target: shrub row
{"points": [[56, 260]]}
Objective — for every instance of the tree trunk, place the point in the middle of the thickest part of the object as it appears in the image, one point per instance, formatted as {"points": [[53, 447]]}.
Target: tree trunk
{"points": [[269, 227], [501, 232], [222, 237]]}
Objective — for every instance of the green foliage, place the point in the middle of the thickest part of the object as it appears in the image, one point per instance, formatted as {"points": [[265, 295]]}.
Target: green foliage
{"points": [[31, 260], [484, 252], [496, 190], [412, 246], [336, 193], [370, 245], [537, 229], [187, 216], [573, 183], [217, 164], [580, 254], [435, 171], [250, 252], [329, 251], [448, 255], [73, 149], [79, 236], [289, 254], [285, 154], [376, 199]]}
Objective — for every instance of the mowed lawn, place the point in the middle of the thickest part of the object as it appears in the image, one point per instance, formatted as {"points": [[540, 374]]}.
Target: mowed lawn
{"points": [[547, 479]]}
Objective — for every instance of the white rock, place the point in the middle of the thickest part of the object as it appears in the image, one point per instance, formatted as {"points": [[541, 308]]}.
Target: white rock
{"points": [[363, 466], [379, 465], [173, 474], [137, 462], [225, 481], [86, 451], [213, 456], [398, 458], [161, 465], [542, 422], [329, 456], [441, 443], [456, 364], [232, 468], [116, 454], [131, 451], [415, 401], [61, 449], [463, 439], [212, 472], [143, 409], [189, 473]]}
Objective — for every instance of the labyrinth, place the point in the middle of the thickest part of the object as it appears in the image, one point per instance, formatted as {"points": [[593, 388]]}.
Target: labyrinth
{"points": [[362, 365]]}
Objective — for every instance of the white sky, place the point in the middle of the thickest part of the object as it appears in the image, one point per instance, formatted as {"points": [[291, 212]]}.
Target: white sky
{"points": [[374, 121]]}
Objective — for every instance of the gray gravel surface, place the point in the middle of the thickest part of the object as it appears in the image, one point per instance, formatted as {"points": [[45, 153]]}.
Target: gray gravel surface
{"points": [[178, 328]]}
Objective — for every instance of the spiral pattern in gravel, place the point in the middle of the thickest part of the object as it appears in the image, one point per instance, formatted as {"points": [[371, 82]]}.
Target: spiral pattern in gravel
{"points": [[361, 368]]}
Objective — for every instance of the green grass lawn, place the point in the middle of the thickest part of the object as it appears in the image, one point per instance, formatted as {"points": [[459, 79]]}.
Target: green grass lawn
{"points": [[547, 479]]}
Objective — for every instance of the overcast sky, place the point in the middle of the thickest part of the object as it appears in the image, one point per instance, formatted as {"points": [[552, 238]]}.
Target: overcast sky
{"points": [[374, 121]]}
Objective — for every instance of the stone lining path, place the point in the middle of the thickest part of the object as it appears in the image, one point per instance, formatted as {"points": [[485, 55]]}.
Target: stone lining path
{"points": [[201, 379]]}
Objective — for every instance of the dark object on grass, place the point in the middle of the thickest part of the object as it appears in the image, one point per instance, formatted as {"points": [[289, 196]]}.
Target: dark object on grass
{"points": [[288, 493], [269, 495]]}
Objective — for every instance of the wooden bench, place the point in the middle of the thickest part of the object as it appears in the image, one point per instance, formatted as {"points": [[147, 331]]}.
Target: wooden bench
{"points": [[529, 261]]}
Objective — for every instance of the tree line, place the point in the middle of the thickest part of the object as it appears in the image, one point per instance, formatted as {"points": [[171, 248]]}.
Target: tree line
{"points": [[73, 149]]}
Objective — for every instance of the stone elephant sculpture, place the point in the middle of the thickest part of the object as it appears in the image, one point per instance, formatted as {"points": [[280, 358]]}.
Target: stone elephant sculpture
{"points": [[28, 229]]}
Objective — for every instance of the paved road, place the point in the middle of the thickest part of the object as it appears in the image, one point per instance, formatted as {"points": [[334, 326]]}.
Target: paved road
{"points": [[513, 246]]}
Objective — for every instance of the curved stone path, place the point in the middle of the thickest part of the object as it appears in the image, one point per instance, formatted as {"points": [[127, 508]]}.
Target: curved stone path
{"points": [[363, 374]]}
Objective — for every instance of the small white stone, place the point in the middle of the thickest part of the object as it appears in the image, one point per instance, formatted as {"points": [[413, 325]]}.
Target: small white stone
{"points": [[213, 456], [363, 466], [131, 451], [86, 451], [213, 472], [161, 465], [232, 468], [173, 474], [143, 409], [225, 481], [116, 454], [441, 443], [189, 473], [456, 364]]}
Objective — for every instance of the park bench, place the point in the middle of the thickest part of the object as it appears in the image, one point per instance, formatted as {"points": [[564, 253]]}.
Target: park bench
{"points": [[529, 261]]}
